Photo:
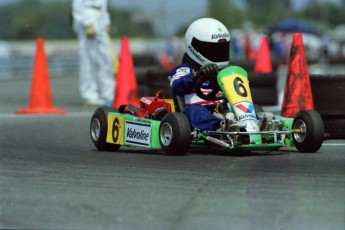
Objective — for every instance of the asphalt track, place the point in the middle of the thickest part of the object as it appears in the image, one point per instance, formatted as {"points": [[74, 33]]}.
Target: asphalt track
{"points": [[51, 177]]}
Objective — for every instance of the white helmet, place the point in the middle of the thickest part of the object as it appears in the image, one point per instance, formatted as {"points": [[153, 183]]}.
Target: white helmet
{"points": [[207, 40]]}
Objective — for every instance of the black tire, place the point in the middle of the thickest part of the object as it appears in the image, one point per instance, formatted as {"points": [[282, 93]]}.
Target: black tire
{"points": [[98, 130], [312, 136], [175, 134]]}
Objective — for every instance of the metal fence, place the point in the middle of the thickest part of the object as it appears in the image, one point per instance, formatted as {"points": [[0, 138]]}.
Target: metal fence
{"points": [[17, 57], [19, 67]]}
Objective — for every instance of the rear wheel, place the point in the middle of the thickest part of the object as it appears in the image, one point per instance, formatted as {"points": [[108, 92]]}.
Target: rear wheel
{"points": [[175, 134], [310, 139], [98, 130]]}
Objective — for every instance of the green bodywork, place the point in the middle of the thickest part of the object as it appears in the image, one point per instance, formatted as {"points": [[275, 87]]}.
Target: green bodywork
{"points": [[200, 139], [153, 127]]}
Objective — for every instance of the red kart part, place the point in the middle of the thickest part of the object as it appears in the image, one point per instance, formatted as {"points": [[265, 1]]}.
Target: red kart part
{"points": [[150, 107]]}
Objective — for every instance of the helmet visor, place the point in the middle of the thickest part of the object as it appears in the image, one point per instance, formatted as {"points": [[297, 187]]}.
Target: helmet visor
{"points": [[215, 52]]}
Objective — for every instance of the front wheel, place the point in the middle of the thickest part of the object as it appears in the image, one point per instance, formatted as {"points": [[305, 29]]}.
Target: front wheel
{"points": [[310, 123], [98, 130], [175, 134]]}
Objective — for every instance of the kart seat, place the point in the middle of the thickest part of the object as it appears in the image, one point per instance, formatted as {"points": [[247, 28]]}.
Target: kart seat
{"points": [[179, 103]]}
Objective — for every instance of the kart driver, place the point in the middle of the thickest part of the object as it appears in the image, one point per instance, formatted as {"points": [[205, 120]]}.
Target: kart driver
{"points": [[207, 44]]}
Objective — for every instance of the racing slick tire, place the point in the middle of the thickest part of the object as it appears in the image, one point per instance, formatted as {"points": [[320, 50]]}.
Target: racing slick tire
{"points": [[312, 136], [175, 134], [98, 130]]}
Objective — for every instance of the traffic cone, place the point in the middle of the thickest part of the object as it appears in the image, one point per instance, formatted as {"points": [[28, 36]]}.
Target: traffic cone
{"points": [[165, 62], [263, 60], [250, 53], [297, 94], [126, 87], [40, 101]]}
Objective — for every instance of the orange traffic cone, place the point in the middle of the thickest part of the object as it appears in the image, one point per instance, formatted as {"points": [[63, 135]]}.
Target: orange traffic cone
{"points": [[165, 62], [250, 53], [41, 101], [297, 93], [263, 59], [126, 87]]}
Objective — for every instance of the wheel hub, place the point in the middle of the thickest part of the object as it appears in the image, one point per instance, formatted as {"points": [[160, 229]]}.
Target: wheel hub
{"points": [[299, 137], [95, 129], [166, 134]]}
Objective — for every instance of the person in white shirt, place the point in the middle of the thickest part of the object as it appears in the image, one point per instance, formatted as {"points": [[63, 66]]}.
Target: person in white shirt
{"points": [[91, 23]]}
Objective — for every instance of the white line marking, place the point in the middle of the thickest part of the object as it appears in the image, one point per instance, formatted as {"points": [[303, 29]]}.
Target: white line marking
{"points": [[333, 144]]}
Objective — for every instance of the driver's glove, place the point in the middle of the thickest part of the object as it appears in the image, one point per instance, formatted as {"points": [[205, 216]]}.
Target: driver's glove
{"points": [[209, 70], [90, 32]]}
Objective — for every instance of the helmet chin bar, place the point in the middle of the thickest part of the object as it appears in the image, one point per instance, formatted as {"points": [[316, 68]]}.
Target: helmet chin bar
{"points": [[189, 61]]}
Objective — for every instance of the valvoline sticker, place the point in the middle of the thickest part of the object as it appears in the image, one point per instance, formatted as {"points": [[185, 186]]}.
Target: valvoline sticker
{"points": [[138, 134], [244, 111]]}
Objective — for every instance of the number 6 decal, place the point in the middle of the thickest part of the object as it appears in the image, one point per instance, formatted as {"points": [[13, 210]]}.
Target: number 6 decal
{"points": [[115, 131], [239, 87]]}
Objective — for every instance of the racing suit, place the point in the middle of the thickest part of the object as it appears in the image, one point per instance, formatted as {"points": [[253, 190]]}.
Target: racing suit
{"points": [[198, 111], [96, 77]]}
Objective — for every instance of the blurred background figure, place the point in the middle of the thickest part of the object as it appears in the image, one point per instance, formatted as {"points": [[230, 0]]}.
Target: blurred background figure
{"points": [[91, 23]]}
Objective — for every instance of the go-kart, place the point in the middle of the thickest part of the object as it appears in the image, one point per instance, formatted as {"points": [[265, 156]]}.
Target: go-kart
{"points": [[159, 123]]}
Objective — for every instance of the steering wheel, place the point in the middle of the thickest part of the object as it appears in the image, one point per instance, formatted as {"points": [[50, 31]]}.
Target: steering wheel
{"points": [[210, 96]]}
